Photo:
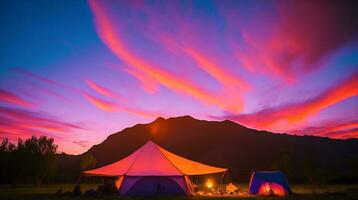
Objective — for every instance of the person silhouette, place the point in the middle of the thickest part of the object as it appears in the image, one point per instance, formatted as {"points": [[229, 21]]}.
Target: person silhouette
{"points": [[158, 191]]}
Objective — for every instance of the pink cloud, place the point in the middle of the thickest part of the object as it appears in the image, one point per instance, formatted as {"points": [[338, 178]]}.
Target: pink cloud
{"points": [[216, 71], [101, 103], [185, 40], [345, 134], [148, 84], [100, 89], [46, 80], [18, 123], [11, 98], [298, 112], [82, 143], [333, 129], [110, 106], [291, 38], [112, 39], [104, 91]]}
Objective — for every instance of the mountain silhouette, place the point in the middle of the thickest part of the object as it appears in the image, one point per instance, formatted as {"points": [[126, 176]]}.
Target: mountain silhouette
{"points": [[230, 145]]}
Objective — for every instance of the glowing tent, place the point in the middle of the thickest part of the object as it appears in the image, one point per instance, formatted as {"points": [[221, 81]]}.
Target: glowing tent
{"points": [[269, 183], [152, 170]]}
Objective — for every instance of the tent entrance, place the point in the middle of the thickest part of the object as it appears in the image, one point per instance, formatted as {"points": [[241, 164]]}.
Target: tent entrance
{"points": [[155, 185]]}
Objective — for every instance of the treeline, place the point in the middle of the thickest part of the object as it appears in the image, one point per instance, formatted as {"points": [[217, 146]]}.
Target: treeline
{"points": [[29, 161], [317, 172]]}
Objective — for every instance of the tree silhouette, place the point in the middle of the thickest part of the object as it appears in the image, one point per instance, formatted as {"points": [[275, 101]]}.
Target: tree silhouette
{"points": [[315, 173], [6, 161], [88, 162], [285, 164], [30, 161]]}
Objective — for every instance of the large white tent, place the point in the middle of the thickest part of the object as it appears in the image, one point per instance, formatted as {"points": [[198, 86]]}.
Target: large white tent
{"points": [[152, 170]]}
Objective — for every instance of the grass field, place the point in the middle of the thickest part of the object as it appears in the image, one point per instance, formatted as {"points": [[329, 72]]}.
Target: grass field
{"points": [[47, 192]]}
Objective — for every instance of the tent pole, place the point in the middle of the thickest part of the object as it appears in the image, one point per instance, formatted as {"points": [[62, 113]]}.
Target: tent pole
{"points": [[79, 178], [222, 177], [229, 176]]}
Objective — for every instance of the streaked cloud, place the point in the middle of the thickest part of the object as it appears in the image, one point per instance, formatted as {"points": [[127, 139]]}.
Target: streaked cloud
{"points": [[100, 89], [82, 143], [111, 37], [216, 71], [20, 123], [334, 129], [185, 41], [45, 80], [289, 39], [147, 83], [297, 112], [105, 105], [14, 99], [345, 134], [101, 103], [110, 106]]}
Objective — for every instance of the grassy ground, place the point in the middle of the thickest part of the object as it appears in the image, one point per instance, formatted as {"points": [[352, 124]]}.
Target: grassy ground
{"points": [[47, 192]]}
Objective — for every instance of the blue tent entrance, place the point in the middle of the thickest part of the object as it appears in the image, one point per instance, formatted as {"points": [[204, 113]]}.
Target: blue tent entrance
{"points": [[269, 183]]}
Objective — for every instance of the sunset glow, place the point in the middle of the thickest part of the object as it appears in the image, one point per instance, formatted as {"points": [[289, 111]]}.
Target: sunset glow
{"points": [[79, 71]]}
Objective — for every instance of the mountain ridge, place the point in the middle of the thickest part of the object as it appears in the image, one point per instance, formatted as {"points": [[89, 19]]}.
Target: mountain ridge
{"points": [[226, 144]]}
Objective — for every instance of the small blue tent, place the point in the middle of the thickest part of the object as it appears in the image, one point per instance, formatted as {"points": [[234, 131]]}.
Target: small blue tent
{"points": [[275, 178]]}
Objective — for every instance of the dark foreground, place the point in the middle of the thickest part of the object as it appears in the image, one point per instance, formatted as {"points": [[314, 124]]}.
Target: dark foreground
{"points": [[332, 192]]}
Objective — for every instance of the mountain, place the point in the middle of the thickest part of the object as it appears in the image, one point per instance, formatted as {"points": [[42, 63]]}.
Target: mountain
{"points": [[228, 144]]}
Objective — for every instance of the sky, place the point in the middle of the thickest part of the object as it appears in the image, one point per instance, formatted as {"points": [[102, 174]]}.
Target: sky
{"points": [[78, 71]]}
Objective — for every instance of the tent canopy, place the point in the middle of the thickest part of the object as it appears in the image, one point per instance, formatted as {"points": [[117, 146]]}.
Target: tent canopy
{"points": [[152, 160]]}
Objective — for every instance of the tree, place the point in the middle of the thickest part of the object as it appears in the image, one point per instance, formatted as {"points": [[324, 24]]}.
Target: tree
{"points": [[6, 160], [31, 161], [315, 173], [88, 162], [6, 146], [284, 163]]}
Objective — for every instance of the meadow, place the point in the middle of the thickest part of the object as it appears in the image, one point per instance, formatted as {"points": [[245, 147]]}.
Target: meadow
{"points": [[48, 192]]}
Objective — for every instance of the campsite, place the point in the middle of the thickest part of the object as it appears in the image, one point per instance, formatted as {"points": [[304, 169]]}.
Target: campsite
{"points": [[47, 192], [156, 173]]}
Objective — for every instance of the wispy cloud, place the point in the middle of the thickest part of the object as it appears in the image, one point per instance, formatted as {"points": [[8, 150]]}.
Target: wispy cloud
{"points": [[110, 106], [14, 99], [45, 80], [284, 41], [100, 89], [185, 41], [345, 134], [82, 143], [42, 86], [20, 123], [101, 103], [334, 129], [297, 112], [216, 71], [105, 91], [112, 39], [105, 105], [148, 84]]}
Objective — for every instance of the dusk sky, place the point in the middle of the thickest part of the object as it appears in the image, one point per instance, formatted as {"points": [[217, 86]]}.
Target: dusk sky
{"points": [[78, 71]]}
